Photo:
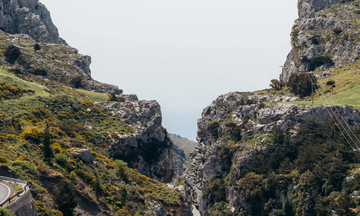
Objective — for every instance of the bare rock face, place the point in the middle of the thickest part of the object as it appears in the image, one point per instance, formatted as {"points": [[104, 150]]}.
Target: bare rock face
{"points": [[84, 63], [149, 149], [29, 17], [255, 121], [308, 8], [322, 37]]}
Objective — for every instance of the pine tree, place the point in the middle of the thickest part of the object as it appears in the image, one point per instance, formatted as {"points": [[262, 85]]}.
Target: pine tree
{"points": [[48, 151]]}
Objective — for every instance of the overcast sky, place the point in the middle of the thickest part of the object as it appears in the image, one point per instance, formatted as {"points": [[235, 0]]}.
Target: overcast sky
{"points": [[182, 53]]}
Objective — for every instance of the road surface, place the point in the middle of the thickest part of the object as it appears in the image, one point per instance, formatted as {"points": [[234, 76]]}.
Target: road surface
{"points": [[6, 191]]}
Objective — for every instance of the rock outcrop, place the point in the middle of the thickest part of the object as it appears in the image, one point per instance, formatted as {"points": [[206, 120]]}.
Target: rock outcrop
{"points": [[28, 17], [308, 8], [325, 36], [84, 154], [56, 62], [254, 116], [149, 150]]}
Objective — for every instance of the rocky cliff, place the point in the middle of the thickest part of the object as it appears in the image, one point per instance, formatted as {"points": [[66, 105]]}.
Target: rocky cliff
{"points": [[308, 8], [324, 36], [28, 17], [149, 149], [263, 153], [234, 129], [107, 149]]}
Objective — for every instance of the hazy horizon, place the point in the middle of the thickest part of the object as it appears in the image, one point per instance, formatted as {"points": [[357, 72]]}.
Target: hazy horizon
{"points": [[184, 54]]}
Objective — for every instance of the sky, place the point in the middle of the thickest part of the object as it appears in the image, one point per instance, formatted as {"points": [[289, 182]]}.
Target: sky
{"points": [[181, 53]]}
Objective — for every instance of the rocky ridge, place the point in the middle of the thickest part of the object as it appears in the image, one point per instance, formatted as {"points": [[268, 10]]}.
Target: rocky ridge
{"points": [[149, 149], [28, 17], [325, 36], [255, 116], [58, 70], [54, 62], [239, 126]]}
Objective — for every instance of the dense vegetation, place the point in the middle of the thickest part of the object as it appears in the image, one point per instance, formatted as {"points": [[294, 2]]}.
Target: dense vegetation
{"points": [[42, 123], [4, 212], [317, 161]]}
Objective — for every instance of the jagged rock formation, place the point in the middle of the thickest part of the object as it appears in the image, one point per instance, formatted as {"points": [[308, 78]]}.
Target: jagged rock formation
{"points": [[149, 150], [254, 117], [308, 8], [28, 17], [325, 35], [56, 62]]}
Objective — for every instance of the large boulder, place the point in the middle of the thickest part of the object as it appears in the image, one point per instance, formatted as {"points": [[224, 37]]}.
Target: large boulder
{"points": [[84, 154]]}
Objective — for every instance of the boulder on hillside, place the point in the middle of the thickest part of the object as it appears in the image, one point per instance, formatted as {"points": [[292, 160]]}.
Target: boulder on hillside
{"points": [[83, 154]]}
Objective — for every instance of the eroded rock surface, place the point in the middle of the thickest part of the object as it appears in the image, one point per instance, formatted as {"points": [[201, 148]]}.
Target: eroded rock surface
{"points": [[28, 17], [149, 150], [308, 8], [255, 115], [324, 36]]}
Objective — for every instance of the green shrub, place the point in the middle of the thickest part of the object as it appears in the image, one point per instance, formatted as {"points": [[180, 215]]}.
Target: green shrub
{"points": [[37, 47], [5, 212], [39, 72], [276, 84], [212, 127], [9, 92], [12, 53], [62, 159], [215, 190], [48, 150], [234, 131], [77, 82], [302, 84], [253, 187], [65, 199], [337, 31]]}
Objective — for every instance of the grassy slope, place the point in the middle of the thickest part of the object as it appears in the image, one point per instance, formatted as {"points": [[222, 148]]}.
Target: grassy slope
{"points": [[103, 185], [346, 92]]}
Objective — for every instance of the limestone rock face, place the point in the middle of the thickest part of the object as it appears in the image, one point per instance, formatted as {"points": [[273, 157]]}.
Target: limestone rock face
{"points": [[324, 36], [29, 17], [308, 8], [84, 63], [256, 121], [62, 62], [149, 149]]}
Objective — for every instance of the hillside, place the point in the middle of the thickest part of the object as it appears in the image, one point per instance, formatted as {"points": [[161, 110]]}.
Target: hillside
{"points": [[81, 144], [53, 135], [183, 143]]}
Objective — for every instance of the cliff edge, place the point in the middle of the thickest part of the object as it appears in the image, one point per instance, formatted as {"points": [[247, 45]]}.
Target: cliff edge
{"points": [[28, 17]]}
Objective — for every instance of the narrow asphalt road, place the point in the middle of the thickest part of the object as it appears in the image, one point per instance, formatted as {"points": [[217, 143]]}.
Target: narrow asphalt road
{"points": [[6, 191]]}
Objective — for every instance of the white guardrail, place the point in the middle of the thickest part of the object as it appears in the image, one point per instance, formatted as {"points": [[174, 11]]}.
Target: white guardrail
{"points": [[16, 181]]}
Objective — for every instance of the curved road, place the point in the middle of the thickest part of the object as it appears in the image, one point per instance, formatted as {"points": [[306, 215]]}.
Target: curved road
{"points": [[6, 191]]}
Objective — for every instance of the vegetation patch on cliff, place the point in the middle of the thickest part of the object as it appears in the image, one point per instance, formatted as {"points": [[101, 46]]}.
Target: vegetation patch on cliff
{"points": [[43, 124]]}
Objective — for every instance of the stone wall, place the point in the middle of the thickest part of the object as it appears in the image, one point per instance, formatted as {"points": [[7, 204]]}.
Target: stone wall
{"points": [[23, 206]]}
